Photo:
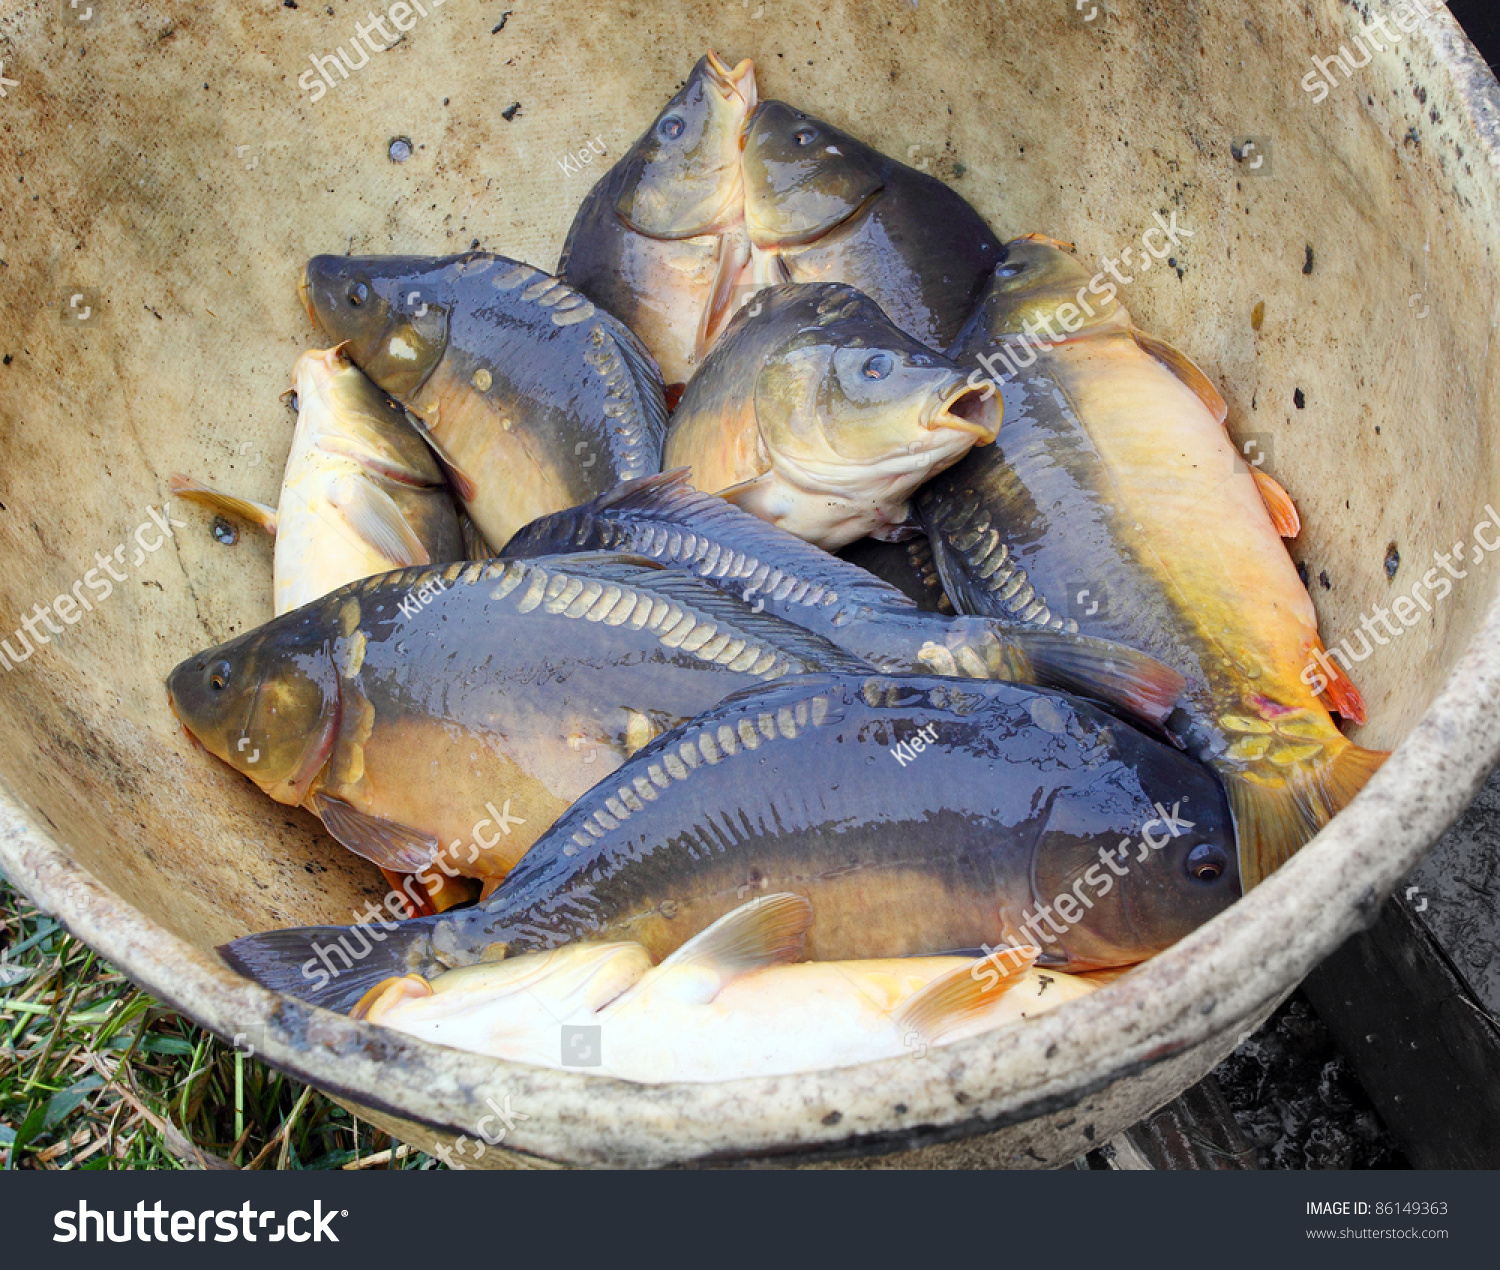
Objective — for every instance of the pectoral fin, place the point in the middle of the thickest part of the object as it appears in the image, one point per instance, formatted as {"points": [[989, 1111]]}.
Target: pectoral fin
{"points": [[257, 514], [964, 993], [1183, 366], [1279, 503], [463, 484], [374, 516], [476, 545], [734, 256], [391, 845], [767, 931]]}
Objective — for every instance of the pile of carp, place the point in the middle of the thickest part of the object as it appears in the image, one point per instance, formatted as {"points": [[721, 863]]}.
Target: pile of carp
{"points": [[761, 729]]}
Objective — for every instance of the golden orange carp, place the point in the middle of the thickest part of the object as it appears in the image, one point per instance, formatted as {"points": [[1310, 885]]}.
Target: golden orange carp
{"points": [[1115, 503]]}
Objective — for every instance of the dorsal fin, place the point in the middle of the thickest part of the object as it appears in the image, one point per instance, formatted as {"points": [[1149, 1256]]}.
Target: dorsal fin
{"points": [[768, 931], [964, 993], [669, 499], [1183, 366]]}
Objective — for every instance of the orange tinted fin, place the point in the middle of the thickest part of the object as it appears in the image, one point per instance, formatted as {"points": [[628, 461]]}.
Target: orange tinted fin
{"points": [[386, 843], [734, 256], [1047, 241], [488, 886], [1080, 664], [1279, 503], [1183, 366], [964, 993], [768, 931], [257, 514], [404, 889], [1342, 695], [1274, 822]]}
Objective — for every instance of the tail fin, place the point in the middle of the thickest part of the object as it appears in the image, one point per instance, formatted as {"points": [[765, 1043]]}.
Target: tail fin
{"points": [[334, 966], [1273, 822], [1080, 664]]}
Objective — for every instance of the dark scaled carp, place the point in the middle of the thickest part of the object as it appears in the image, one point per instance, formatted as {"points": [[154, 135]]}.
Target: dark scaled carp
{"points": [[445, 717], [816, 414], [534, 398], [917, 815], [822, 206], [666, 520], [1115, 503], [660, 240]]}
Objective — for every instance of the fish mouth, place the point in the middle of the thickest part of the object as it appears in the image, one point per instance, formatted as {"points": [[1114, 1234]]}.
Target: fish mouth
{"points": [[738, 81], [969, 410]]}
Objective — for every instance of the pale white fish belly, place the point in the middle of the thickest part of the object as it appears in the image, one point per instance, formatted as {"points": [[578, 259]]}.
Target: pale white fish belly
{"points": [[316, 549], [673, 1026]]}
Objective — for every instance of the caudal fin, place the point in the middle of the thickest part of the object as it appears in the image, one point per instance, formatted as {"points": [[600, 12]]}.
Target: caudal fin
{"points": [[334, 966], [1080, 664], [1274, 821]]}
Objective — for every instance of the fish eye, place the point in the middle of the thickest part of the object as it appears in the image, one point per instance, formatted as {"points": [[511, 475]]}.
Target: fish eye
{"points": [[877, 366], [805, 136], [358, 294], [671, 127], [1206, 863], [218, 676]]}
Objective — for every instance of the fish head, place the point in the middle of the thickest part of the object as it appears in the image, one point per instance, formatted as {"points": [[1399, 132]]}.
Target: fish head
{"points": [[389, 313], [854, 400], [1029, 289], [1153, 857], [803, 177], [682, 178], [266, 703]]}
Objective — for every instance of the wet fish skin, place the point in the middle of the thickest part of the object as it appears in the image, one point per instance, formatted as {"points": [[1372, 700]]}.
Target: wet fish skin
{"points": [[817, 414], [664, 519], [361, 494], [795, 788], [535, 399], [729, 1004], [660, 240], [445, 717], [908, 566], [822, 206], [1115, 503]]}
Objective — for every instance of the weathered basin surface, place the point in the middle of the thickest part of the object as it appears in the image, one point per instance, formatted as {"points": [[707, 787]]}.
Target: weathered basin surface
{"points": [[163, 165]]}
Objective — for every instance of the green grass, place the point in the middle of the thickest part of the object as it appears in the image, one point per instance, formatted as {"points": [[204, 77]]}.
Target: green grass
{"points": [[96, 1074]]}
